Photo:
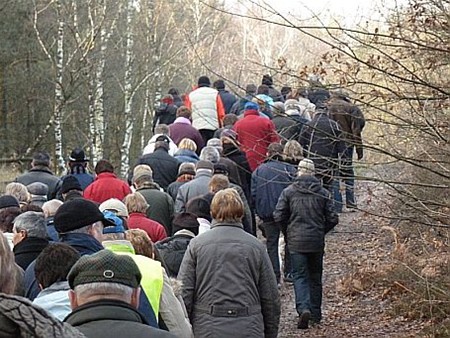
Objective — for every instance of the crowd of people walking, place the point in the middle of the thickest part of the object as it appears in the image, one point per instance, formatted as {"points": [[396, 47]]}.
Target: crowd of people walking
{"points": [[174, 250]]}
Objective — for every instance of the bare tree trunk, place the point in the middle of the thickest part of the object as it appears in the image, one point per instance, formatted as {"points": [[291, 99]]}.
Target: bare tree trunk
{"points": [[59, 95], [128, 117]]}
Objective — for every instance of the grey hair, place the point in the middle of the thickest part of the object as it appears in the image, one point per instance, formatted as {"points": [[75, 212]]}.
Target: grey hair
{"points": [[104, 290], [33, 223], [162, 129], [211, 154], [51, 207]]}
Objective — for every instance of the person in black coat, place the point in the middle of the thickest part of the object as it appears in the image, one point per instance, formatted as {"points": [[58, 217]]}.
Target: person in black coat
{"points": [[30, 237], [40, 172], [172, 249], [164, 166], [322, 142], [166, 112], [309, 214]]}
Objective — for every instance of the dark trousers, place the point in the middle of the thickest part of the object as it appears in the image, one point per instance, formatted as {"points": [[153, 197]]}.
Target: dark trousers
{"points": [[272, 231], [307, 272], [346, 174]]}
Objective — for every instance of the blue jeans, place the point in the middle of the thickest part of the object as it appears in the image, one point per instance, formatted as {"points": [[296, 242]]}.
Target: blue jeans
{"points": [[272, 230], [307, 272], [346, 175]]}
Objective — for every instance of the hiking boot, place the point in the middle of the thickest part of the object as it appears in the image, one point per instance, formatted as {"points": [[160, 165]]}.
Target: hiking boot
{"points": [[303, 320]]}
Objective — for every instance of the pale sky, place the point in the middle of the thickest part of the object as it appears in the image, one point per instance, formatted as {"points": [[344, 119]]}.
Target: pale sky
{"points": [[351, 11]]}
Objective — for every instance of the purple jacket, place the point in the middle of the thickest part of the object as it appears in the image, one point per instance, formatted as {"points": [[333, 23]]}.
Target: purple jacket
{"points": [[182, 128]]}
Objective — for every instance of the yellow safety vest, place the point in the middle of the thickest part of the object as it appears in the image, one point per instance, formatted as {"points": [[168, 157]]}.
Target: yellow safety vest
{"points": [[151, 270]]}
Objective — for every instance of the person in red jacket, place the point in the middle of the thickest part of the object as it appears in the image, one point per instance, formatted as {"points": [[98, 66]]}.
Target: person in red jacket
{"points": [[255, 133], [106, 184], [137, 207]]}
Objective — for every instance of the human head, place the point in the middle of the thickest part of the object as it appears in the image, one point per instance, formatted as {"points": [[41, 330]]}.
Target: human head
{"points": [[142, 175], [115, 205], [54, 263], [167, 99], [135, 202], [80, 216], [219, 84], [29, 224], [70, 183], [186, 168], [116, 232], [173, 91], [230, 119], [141, 242], [185, 112], [227, 206], [274, 151], [78, 155], [292, 104], [306, 167], [187, 144], [162, 141], [267, 80], [216, 143], [200, 207], [292, 151], [251, 106], [263, 89], [103, 166], [38, 193], [104, 276], [162, 129], [250, 89], [285, 91], [221, 169], [19, 191], [203, 81], [50, 207], [8, 268], [218, 182], [187, 221], [40, 158], [9, 210], [204, 165], [210, 154]]}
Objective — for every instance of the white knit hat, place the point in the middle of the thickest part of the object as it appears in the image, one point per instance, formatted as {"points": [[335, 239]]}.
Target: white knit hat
{"points": [[306, 167]]}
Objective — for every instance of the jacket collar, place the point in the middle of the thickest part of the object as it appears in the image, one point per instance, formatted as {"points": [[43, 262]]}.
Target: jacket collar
{"points": [[203, 172], [251, 112], [119, 246], [184, 232], [30, 244], [215, 224], [85, 244], [105, 175], [42, 168], [182, 120], [104, 310]]}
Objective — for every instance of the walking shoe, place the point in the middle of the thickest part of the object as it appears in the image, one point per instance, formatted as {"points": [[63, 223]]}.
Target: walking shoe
{"points": [[303, 320]]}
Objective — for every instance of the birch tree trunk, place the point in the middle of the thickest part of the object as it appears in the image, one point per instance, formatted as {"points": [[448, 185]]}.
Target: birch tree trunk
{"points": [[127, 91], [59, 94]]}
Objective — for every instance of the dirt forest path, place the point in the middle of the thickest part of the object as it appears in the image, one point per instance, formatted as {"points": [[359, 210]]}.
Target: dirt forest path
{"points": [[350, 310]]}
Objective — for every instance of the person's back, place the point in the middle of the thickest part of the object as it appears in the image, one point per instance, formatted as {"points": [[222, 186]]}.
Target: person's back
{"points": [[255, 133], [40, 172], [106, 185], [240, 294], [228, 99], [164, 166], [104, 297]]}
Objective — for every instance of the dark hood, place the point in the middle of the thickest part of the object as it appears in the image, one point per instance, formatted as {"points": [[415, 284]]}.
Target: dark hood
{"points": [[307, 184]]}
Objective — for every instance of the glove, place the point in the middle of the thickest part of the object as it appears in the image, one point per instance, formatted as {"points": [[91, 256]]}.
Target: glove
{"points": [[359, 152]]}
